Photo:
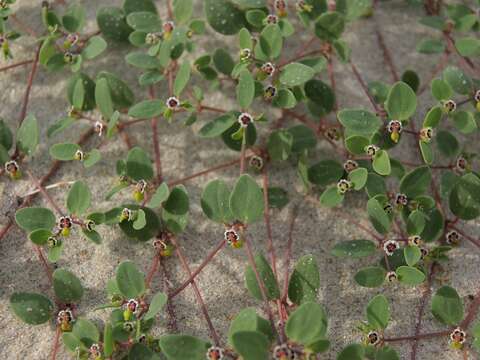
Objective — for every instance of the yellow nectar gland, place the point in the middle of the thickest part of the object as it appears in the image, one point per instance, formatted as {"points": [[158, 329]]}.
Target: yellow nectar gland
{"points": [[395, 136], [138, 196], [66, 326], [477, 106], [127, 315], [65, 232]]}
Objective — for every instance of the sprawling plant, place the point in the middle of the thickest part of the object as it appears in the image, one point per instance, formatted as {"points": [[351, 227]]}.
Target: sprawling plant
{"points": [[416, 208]]}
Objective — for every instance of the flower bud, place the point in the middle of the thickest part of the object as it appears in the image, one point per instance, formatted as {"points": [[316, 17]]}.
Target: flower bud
{"points": [[461, 164], [452, 238], [68, 57], [401, 199], [332, 133], [269, 92], [90, 225], [303, 6], [79, 155], [371, 150], [98, 128], [128, 326], [458, 337], [272, 19], [13, 170], [152, 38], [268, 68], [282, 352], [245, 54], [126, 214], [414, 240], [281, 8]]}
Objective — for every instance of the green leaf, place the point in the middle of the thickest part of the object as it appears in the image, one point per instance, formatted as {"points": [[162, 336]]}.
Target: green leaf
{"points": [[112, 24], [183, 347], [307, 324], [177, 202], [223, 61], [412, 255], [386, 353], [325, 172], [433, 117], [182, 78], [245, 39], [370, 277], [356, 144], [248, 320], [267, 277], [352, 352], [416, 182], [6, 137], [89, 89], [156, 305], [459, 82], [67, 286], [40, 236], [130, 6], [86, 332], [378, 312], [447, 306], [78, 95], [79, 197], [401, 101], [329, 26], [217, 126], [245, 89], [95, 46], [284, 99], [108, 342], [215, 202], [182, 10], [378, 217], [447, 144], [246, 200], [468, 46], [415, 222], [140, 222], [33, 218], [430, 46], [304, 281], [139, 165], [147, 109], [321, 96], [410, 275], [354, 248], [303, 138], [251, 345], [358, 177], [74, 18], [381, 163], [91, 158], [223, 16], [130, 280], [427, 152], [441, 90], [147, 232], [295, 74], [121, 95], [331, 197], [464, 122], [142, 60], [161, 194], [64, 151], [271, 42], [145, 21], [28, 135], [279, 145], [142, 352], [359, 122], [103, 98], [31, 308], [93, 236]]}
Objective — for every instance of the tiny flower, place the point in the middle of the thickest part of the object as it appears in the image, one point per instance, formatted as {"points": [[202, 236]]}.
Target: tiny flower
{"points": [[168, 27], [332, 133], [388, 208], [414, 240], [142, 339], [282, 352], [426, 134], [390, 246], [424, 252], [401, 199], [79, 155], [343, 186], [68, 57], [458, 336], [477, 96], [128, 326], [12, 169], [232, 238], [281, 7], [391, 276], [303, 6], [98, 128], [95, 350], [245, 54], [162, 244], [65, 222], [373, 338], [461, 164], [268, 68], [215, 353], [126, 214], [449, 106], [132, 305], [152, 38], [371, 150], [350, 165], [394, 127], [272, 19], [269, 92], [73, 113], [90, 225], [53, 242], [72, 39], [452, 238], [138, 193], [256, 162], [244, 119], [172, 103], [65, 319]]}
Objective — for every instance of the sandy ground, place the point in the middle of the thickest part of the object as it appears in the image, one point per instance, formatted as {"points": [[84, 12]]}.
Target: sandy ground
{"points": [[183, 153]]}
